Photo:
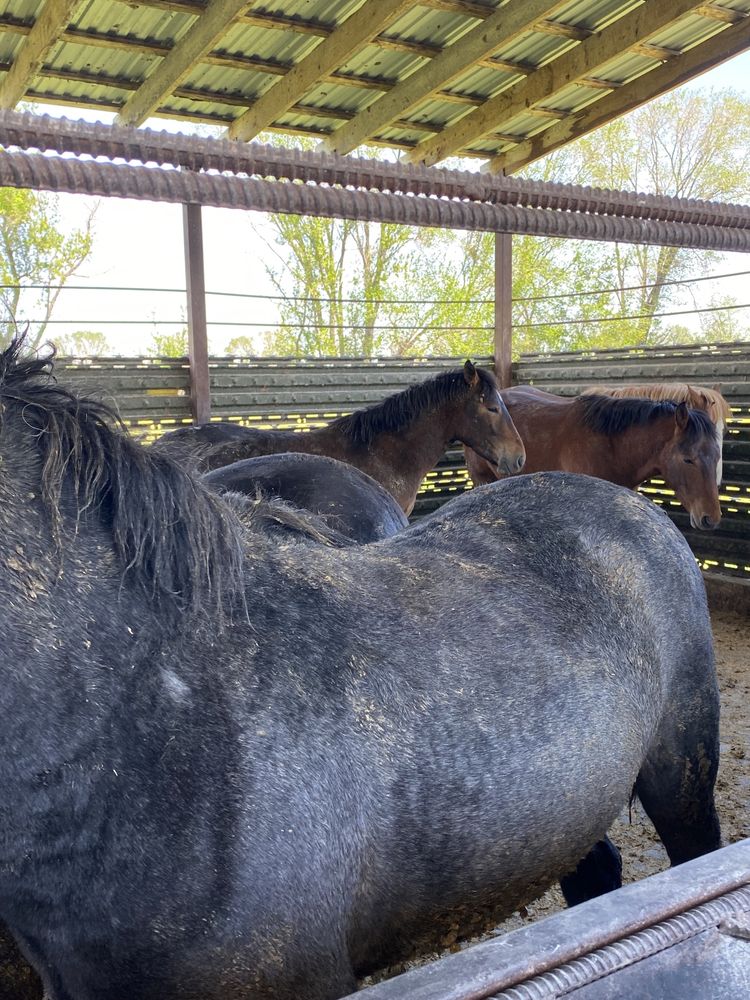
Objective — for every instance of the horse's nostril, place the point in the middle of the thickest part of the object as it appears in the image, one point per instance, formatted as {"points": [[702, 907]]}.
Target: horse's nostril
{"points": [[519, 462], [707, 523]]}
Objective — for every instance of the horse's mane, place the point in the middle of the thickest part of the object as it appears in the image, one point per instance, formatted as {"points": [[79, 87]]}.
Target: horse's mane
{"points": [[274, 516], [697, 397], [612, 415], [399, 410], [175, 537]]}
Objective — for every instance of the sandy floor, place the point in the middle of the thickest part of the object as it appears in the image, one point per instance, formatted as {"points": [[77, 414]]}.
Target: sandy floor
{"points": [[641, 851]]}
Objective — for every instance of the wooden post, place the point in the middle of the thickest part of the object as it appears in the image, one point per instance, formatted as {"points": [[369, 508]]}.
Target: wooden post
{"points": [[503, 308], [200, 384]]}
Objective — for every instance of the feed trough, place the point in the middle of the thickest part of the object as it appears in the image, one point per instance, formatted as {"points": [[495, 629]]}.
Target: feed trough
{"points": [[683, 933]]}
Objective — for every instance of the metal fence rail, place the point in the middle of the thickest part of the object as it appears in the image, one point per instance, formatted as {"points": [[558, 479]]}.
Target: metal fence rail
{"points": [[152, 396]]}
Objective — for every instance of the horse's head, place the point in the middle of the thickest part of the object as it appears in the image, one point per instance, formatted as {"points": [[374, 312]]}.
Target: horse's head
{"points": [[689, 463], [484, 424]]}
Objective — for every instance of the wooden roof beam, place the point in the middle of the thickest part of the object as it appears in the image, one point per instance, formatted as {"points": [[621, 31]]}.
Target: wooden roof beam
{"points": [[576, 64], [722, 46], [507, 65], [357, 30], [465, 7], [571, 31], [651, 51], [196, 43], [716, 12], [55, 16], [511, 20]]}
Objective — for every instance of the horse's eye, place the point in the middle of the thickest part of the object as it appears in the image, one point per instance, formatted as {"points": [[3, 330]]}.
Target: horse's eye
{"points": [[494, 409], [688, 461]]}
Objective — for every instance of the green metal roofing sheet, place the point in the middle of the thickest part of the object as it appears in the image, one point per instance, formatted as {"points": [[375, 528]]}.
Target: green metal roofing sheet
{"points": [[111, 47]]}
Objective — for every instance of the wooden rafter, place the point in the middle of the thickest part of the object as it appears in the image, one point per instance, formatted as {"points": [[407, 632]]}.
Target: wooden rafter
{"points": [[511, 20], [717, 12], [576, 64], [365, 23], [571, 31], [684, 67], [196, 43], [234, 60], [55, 15], [465, 7]]}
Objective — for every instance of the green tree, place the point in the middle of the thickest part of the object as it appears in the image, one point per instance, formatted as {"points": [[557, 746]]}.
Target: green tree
{"points": [[168, 345], [430, 291], [686, 144], [35, 252], [242, 346], [83, 343], [724, 323], [337, 276]]}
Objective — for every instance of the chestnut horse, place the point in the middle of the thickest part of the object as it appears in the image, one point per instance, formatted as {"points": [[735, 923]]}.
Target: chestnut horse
{"points": [[626, 441], [396, 442], [697, 397]]}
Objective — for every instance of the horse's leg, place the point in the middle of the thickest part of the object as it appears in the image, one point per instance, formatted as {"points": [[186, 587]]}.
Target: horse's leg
{"points": [[599, 872], [676, 782]]}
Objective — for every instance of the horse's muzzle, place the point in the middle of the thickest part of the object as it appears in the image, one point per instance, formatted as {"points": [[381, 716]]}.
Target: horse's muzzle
{"points": [[509, 467], [704, 523]]}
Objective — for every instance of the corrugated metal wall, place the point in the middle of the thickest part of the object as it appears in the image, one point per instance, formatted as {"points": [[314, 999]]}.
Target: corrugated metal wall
{"points": [[153, 394]]}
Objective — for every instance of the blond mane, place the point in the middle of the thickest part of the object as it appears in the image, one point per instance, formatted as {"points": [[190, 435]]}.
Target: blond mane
{"points": [[697, 397]]}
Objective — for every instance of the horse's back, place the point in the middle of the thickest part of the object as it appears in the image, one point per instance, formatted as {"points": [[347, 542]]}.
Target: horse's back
{"points": [[572, 533], [216, 432], [349, 500]]}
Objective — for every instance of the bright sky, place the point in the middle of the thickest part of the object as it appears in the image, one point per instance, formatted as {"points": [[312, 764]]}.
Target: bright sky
{"points": [[139, 244]]}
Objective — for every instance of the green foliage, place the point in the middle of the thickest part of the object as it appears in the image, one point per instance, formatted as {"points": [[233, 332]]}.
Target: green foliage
{"points": [[686, 144], [33, 251], [430, 291], [723, 325], [83, 343], [241, 346], [168, 345]]}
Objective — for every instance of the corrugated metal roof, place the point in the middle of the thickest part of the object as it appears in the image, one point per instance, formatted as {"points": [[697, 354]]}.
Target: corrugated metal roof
{"points": [[104, 55]]}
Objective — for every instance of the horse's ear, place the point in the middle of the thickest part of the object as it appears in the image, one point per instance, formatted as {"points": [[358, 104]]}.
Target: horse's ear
{"points": [[470, 374], [681, 415]]}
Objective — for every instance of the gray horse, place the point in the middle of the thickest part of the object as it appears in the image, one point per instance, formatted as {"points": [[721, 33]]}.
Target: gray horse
{"points": [[245, 764]]}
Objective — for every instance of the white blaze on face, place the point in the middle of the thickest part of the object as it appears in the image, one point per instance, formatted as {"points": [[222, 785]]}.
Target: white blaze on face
{"points": [[720, 441]]}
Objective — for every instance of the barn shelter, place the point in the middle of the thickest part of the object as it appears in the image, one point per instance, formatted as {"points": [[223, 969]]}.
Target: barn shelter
{"points": [[504, 83]]}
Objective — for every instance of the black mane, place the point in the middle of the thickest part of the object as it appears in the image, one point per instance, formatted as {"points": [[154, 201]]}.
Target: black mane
{"points": [[612, 415], [171, 533], [398, 411]]}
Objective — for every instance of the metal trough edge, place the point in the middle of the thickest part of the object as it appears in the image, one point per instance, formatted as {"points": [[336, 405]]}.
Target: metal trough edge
{"points": [[487, 968]]}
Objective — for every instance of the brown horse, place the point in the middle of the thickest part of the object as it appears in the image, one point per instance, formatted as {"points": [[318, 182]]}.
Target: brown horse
{"points": [[697, 397], [626, 441], [397, 441]]}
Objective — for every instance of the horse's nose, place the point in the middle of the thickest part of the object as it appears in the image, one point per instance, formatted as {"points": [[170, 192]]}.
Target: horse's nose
{"points": [[707, 524], [520, 462]]}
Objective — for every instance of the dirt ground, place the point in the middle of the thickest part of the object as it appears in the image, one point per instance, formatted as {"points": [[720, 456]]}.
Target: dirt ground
{"points": [[642, 853]]}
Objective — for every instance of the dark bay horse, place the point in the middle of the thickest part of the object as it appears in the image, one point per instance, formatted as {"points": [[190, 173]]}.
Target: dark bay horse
{"points": [[397, 442], [241, 763], [348, 501], [696, 397], [626, 441]]}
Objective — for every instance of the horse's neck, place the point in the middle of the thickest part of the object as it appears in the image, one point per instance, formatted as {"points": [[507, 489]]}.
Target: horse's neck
{"points": [[400, 460], [636, 453]]}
